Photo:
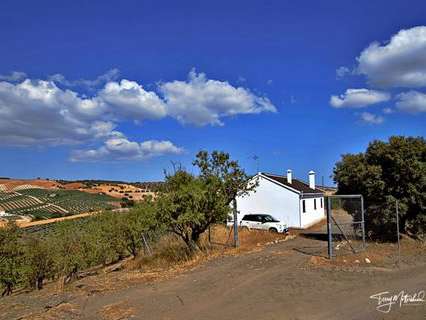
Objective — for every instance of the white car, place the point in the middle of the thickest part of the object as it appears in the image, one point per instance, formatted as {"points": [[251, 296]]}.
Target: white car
{"points": [[263, 222]]}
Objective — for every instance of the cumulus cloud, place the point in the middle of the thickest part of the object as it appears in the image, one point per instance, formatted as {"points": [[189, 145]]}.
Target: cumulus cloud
{"points": [[412, 102], [358, 98], [370, 118], [401, 62], [387, 111], [133, 100], [40, 112], [201, 101], [341, 72], [108, 76], [13, 76], [118, 147]]}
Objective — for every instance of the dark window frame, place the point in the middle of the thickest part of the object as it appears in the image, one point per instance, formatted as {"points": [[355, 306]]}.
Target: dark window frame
{"points": [[303, 206], [315, 204]]}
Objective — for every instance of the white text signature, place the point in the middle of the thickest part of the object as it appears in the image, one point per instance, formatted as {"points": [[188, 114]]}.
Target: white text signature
{"points": [[385, 300]]}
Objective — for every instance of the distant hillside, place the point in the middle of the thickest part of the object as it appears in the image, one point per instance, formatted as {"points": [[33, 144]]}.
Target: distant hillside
{"points": [[37, 203], [44, 198], [21, 184]]}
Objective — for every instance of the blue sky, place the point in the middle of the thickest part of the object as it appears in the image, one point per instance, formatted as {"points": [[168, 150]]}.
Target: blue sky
{"points": [[118, 90]]}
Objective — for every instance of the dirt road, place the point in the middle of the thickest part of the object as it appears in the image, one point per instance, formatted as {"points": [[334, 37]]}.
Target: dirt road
{"points": [[275, 283]]}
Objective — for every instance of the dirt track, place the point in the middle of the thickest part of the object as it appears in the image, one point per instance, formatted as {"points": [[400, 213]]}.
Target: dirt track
{"points": [[275, 283]]}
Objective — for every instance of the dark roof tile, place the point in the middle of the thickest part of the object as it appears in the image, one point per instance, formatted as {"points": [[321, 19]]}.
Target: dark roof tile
{"points": [[295, 184]]}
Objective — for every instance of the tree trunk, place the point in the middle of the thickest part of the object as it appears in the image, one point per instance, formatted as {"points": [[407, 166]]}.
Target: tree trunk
{"points": [[40, 282], [191, 242], [193, 246], [7, 290]]}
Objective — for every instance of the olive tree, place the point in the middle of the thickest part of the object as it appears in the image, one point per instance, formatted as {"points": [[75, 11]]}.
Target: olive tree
{"points": [[189, 204], [39, 263], [11, 258]]}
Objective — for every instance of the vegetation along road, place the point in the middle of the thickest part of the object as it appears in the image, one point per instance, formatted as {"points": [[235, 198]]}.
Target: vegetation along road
{"points": [[278, 282]]}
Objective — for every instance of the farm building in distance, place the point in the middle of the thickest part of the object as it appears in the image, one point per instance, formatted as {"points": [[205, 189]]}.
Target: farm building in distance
{"points": [[289, 200]]}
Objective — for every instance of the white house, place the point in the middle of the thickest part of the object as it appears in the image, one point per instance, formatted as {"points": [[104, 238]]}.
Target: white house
{"points": [[291, 201]]}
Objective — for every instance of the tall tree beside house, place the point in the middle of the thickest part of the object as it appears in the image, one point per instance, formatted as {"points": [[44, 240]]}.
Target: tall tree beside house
{"points": [[386, 172], [189, 204]]}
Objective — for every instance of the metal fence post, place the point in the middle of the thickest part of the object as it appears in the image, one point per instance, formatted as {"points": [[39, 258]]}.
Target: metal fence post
{"points": [[363, 222], [235, 212], [329, 229]]}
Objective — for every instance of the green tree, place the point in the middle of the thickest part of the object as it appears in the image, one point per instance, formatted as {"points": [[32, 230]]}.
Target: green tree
{"points": [[39, 263], [72, 251], [11, 257], [223, 175], [136, 224], [189, 204], [386, 172]]}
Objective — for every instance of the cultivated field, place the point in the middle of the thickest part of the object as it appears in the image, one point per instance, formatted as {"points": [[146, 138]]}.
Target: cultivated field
{"points": [[119, 190], [39, 203]]}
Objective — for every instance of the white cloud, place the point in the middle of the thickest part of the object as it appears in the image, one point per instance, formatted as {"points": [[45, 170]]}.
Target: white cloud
{"points": [[358, 98], [13, 76], [38, 112], [387, 110], [342, 72], [120, 148], [370, 118], [401, 62], [108, 76], [201, 101], [412, 102], [129, 99]]}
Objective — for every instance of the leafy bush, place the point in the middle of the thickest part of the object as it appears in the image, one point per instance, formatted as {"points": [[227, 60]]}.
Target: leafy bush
{"points": [[72, 246], [386, 172], [189, 204], [39, 261], [11, 258]]}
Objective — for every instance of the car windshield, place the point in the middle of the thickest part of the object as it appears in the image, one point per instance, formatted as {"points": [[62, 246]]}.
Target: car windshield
{"points": [[268, 218]]}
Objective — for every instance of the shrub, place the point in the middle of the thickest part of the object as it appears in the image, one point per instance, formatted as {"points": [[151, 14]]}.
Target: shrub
{"points": [[386, 172], [11, 258], [39, 261], [189, 204]]}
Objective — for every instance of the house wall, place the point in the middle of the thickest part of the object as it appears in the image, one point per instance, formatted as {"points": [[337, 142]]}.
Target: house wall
{"points": [[271, 198], [311, 216]]}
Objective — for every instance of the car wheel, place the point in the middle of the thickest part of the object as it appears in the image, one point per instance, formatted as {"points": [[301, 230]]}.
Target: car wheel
{"points": [[245, 228], [273, 230]]}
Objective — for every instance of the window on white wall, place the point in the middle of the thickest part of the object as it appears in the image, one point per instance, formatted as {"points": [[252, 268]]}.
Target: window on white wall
{"points": [[321, 202], [315, 204], [303, 206]]}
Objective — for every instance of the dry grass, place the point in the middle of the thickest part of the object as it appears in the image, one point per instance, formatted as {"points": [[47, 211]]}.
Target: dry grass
{"points": [[172, 253], [115, 311], [380, 255]]}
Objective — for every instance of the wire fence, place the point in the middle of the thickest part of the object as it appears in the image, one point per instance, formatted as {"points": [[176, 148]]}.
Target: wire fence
{"points": [[345, 224]]}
